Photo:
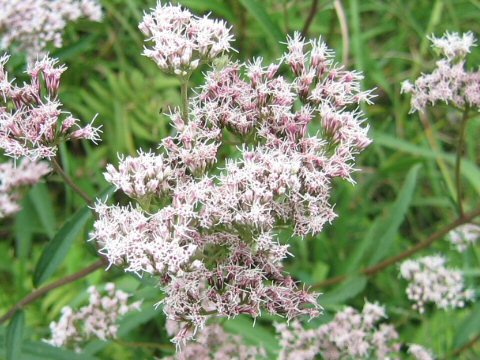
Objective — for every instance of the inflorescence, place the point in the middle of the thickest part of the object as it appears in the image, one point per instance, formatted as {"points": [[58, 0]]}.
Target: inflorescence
{"points": [[32, 122], [13, 178], [31, 25], [207, 228], [98, 319], [430, 281], [450, 82]]}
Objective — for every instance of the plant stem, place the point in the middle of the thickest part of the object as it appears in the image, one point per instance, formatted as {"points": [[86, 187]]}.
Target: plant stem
{"points": [[342, 19], [68, 180], [38, 293], [184, 95], [311, 16], [458, 160], [372, 270], [467, 346]]}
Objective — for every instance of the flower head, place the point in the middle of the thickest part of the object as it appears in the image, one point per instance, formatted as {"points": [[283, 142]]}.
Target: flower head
{"points": [[31, 25], [182, 40], [32, 122], [431, 282]]}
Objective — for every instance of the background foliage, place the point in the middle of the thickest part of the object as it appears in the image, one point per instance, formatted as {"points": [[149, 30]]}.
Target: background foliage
{"points": [[403, 193]]}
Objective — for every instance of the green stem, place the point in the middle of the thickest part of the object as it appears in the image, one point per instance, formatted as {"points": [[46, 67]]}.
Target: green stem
{"points": [[458, 160], [68, 180], [184, 95]]}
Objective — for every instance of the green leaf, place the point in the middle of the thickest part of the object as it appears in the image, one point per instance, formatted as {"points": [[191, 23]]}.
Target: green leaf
{"points": [[25, 224], [271, 29], [13, 340], [469, 169], [253, 334], [347, 290], [57, 249], [469, 328], [43, 206], [396, 216]]}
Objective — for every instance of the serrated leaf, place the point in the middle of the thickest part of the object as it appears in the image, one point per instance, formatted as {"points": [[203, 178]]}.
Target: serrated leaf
{"points": [[396, 216], [13, 340], [57, 249]]}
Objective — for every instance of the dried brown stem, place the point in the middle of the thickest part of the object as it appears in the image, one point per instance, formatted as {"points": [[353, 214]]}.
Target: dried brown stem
{"points": [[372, 270]]}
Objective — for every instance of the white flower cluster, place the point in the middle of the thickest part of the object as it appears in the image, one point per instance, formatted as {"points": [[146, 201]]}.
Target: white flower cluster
{"points": [[464, 236], [350, 335], [431, 282], [14, 177], [33, 24], [420, 353], [214, 343], [450, 82], [182, 40], [99, 319], [31, 118], [209, 233]]}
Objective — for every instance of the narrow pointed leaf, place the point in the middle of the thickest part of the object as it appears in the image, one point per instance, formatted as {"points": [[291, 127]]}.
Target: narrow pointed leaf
{"points": [[13, 340]]}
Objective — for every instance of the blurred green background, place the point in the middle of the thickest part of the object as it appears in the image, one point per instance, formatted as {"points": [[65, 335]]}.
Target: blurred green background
{"points": [[404, 184]]}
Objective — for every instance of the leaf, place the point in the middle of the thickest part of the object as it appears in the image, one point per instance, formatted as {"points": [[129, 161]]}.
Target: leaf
{"points": [[13, 340], [396, 216], [349, 289], [469, 170], [43, 206], [253, 334], [271, 29], [57, 249], [25, 224], [469, 328]]}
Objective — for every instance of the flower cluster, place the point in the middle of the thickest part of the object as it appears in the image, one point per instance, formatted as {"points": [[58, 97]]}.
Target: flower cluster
{"points": [[351, 334], [431, 282], [31, 119], [210, 232], [33, 24], [420, 353], [13, 177], [98, 319], [181, 40], [464, 236], [214, 343], [450, 82]]}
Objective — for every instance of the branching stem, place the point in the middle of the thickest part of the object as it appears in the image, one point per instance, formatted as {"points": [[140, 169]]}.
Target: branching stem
{"points": [[372, 270]]}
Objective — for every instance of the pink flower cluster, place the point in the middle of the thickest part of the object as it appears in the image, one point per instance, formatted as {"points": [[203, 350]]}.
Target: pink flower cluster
{"points": [[33, 24], [464, 236], [431, 282], [350, 335], [210, 232], [450, 82], [98, 319], [32, 122], [214, 343], [14, 177], [181, 40]]}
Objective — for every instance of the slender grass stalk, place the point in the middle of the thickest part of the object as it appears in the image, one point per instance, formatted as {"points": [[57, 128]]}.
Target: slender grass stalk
{"points": [[458, 160]]}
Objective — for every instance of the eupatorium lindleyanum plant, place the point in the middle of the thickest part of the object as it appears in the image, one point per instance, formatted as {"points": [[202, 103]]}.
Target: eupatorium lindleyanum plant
{"points": [[206, 228]]}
